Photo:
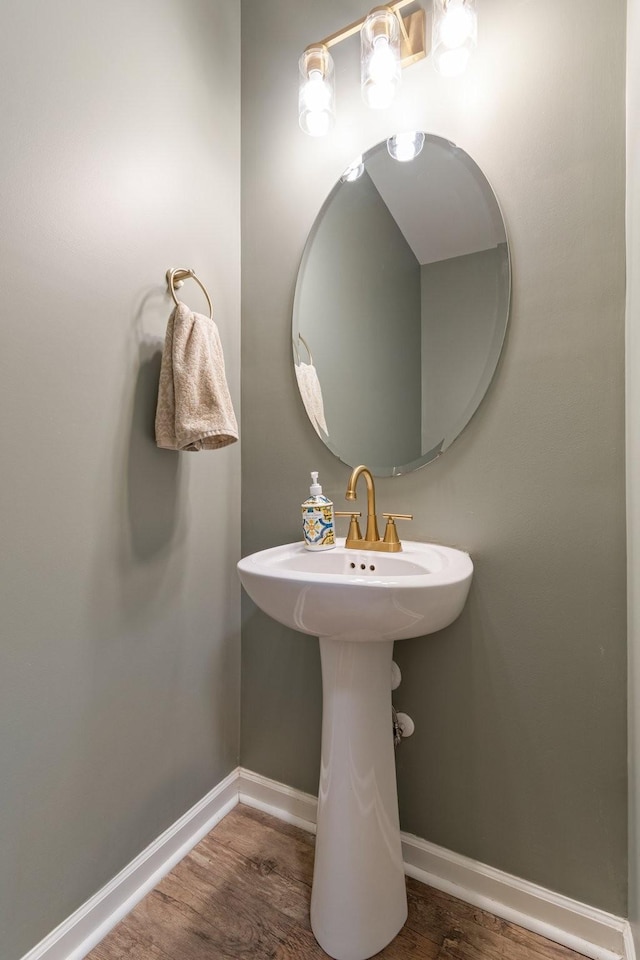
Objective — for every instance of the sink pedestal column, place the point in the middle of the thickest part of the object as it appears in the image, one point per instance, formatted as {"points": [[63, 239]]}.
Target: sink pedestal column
{"points": [[358, 902]]}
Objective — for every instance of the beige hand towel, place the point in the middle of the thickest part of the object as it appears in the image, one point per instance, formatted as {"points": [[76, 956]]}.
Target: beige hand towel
{"points": [[194, 409]]}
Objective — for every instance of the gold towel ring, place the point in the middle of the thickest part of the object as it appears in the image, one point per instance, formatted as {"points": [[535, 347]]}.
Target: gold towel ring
{"points": [[176, 277]]}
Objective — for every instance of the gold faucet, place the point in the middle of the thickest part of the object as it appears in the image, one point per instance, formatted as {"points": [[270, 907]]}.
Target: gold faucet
{"points": [[372, 539]]}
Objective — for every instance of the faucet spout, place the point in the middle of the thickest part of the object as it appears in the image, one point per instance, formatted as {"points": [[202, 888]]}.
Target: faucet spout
{"points": [[372, 539], [371, 534]]}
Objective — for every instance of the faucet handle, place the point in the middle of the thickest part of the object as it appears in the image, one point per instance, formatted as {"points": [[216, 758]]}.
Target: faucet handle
{"points": [[354, 527], [390, 532]]}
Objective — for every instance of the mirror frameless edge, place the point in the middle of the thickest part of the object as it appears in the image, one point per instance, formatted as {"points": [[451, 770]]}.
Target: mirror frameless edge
{"points": [[401, 306]]}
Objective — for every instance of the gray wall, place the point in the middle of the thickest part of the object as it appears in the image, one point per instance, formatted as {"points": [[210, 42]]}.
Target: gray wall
{"points": [[519, 754], [119, 623], [464, 303], [358, 308]]}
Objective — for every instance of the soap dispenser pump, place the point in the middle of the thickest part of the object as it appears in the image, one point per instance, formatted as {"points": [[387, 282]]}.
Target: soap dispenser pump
{"points": [[317, 518]]}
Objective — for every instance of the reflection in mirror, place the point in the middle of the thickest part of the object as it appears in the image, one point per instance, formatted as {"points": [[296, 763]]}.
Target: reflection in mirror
{"points": [[401, 305]]}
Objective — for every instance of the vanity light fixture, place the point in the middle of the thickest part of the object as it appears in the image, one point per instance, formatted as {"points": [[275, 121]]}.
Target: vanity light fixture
{"points": [[454, 35], [389, 41]]}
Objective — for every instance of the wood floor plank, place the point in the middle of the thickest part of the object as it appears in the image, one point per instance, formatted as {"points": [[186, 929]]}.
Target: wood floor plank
{"points": [[491, 948], [434, 912], [302, 945], [268, 842], [244, 814], [130, 940], [215, 871], [124, 943], [454, 949], [409, 944], [280, 826], [243, 893], [227, 933]]}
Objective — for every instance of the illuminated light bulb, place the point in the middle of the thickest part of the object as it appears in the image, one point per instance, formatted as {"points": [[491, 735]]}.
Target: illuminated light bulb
{"points": [[405, 146], [382, 65], [353, 171], [316, 94], [454, 35], [380, 58], [457, 25]]}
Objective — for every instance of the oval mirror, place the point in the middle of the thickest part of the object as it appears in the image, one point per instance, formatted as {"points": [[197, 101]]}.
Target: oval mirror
{"points": [[401, 304]]}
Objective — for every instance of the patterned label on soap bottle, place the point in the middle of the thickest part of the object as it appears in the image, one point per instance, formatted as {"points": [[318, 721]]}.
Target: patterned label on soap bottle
{"points": [[317, 526]]}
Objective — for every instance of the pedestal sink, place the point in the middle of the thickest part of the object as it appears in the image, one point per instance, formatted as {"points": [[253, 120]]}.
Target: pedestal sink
{"points": [[358, 602]]}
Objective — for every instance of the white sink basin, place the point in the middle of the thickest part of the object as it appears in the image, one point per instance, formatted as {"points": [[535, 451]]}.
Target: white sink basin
{"points": [[358, 594]]}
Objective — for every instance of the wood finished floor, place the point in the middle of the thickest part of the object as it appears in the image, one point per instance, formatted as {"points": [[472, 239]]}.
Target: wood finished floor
{"points": [[243, 892]]}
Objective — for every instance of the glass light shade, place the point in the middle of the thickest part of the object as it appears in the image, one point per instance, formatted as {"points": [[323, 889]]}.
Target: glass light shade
{"points": [[405, 146], [380, 70], [454, 35], [316, 92], [353, 171]]}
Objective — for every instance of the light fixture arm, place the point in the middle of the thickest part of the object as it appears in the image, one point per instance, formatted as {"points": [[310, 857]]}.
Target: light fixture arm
{"points": [[412, 28]]}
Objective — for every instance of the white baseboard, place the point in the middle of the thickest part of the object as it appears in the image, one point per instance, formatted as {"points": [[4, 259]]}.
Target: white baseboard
{"points": [[285, 803], [592, 932], [80, 933], [629, 944]]}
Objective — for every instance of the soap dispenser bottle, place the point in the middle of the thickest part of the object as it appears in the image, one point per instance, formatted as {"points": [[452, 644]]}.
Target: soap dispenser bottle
{"points": [[317, 518]]}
